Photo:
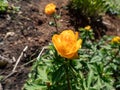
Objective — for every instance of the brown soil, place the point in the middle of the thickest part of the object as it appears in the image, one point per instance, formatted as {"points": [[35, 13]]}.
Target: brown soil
{"points": [[29, 27]]}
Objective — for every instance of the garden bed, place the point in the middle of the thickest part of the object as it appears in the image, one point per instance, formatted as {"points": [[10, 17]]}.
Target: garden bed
{"points": [[30, 27]]}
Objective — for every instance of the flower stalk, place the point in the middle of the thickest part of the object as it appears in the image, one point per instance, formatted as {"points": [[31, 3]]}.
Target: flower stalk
{"points": [[56, 26], [67, 75]]}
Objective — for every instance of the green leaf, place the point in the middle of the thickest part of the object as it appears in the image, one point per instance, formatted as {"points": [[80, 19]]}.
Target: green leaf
{"points": [[58, 75], [96, 59], [90, 78], [3, 5], [35, 87]]}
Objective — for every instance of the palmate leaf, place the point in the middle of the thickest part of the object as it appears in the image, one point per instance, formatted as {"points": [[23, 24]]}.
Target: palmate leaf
{"points": [[58, 76], [47, 72], [3, 3], [86, 73], [37, 81], [35, 87], [40, 77], [90, 78]]}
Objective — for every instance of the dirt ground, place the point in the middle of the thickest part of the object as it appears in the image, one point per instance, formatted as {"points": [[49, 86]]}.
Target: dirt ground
{"points": [[29, 27]]}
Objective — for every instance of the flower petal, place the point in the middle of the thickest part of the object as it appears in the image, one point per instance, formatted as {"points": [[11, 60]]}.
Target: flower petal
{"points": [[67, 44], [57, 42], [50, 9]]}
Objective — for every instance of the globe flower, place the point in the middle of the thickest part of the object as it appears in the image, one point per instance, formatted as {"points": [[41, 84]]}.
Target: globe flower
{"points": [[116, 40], [67, 44], [50, 9], [88, 27]]}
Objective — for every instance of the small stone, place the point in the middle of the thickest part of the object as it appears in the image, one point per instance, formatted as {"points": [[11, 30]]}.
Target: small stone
{"points": [[9, 34]]}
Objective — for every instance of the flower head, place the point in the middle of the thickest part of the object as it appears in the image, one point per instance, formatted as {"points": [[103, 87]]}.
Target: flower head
{"points": [[50, 9], [67, 44], [116, 40], [88, 27]]}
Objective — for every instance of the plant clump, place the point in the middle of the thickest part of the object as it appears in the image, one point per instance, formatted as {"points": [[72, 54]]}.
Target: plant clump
{"points": [[77, 60]]}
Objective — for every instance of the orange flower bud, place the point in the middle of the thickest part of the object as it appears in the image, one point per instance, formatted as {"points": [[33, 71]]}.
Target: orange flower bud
{"points": [[88, 27], [50, 9], [116, 40], [67, 44]]}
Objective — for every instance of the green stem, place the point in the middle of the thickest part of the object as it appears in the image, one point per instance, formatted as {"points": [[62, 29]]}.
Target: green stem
{"points": [[56, 26], [67, 75]]}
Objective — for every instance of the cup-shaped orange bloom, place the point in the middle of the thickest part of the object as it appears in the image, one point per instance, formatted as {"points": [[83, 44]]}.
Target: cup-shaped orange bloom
{"points": [[116, 40], [50, 9], [88, 27], [67, 44]]}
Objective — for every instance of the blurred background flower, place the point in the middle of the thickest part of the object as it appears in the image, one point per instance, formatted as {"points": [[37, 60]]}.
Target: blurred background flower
{"points": [[116, 40], [88, 27], [50, 9]]}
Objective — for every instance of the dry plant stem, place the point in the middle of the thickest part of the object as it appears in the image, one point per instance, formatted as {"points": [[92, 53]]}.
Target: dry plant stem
{"points": [[14, 60], [37, 57], [1, 87], [56, 26], [6, 59], [10, 74], [18, 60], [28, 63], [113, 57], [2, 72], [41, 52]]}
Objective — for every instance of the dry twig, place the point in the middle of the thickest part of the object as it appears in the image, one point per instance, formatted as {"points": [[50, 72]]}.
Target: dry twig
{"points": [[5, 59], [18, 60], [45, 47], [1, 87]]}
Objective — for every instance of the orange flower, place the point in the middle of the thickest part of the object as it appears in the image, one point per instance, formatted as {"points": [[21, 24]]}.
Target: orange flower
{"points": [[116, 40], [67, 44], [50, 9], [88, 27]]}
